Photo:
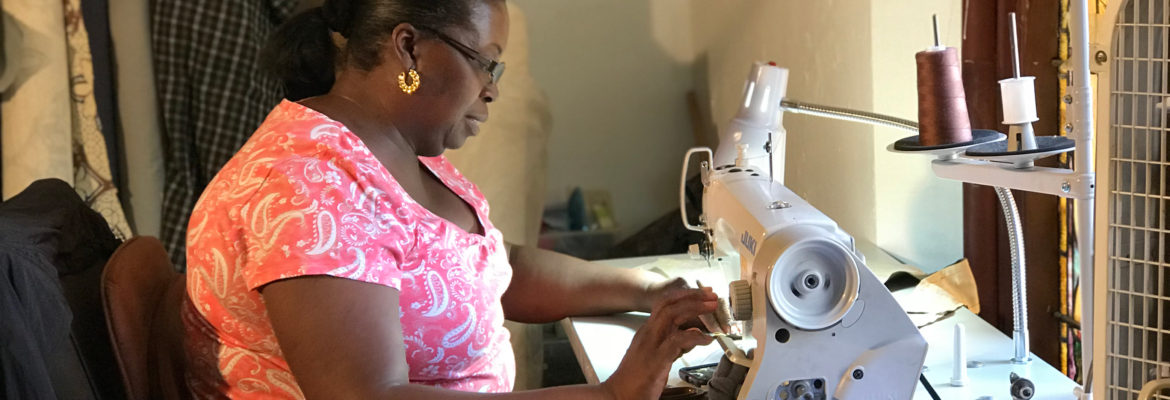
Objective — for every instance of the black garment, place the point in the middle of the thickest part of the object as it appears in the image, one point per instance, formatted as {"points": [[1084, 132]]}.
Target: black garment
{"points": [[212, 94], [49, 240]]}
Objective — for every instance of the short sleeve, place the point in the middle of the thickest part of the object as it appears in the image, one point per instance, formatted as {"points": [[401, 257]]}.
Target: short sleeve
{"points": [[312, 217]]}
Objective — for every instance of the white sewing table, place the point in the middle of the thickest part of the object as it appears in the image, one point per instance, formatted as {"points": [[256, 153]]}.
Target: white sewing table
{"points": [[600, 342]]}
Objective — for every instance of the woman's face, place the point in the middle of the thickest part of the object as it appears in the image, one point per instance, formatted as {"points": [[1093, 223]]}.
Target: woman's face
{"points": [[451, 101]]}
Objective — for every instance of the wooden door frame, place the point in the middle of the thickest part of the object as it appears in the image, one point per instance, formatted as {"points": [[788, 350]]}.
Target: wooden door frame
{"points": [[986, 59]]}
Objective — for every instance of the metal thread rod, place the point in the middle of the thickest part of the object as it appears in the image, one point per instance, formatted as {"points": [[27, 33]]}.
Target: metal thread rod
{"points": [[1081, 113], [1011, 216], [937, 38], [846, 114], [1015, 47], [771, 169]]}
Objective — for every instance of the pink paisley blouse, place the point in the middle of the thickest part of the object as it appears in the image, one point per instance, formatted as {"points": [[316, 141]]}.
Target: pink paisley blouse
{"points": [[304, 196]]}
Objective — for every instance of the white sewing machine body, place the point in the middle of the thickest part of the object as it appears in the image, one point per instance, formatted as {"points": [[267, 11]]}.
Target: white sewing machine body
{"points": [[824, 326]]}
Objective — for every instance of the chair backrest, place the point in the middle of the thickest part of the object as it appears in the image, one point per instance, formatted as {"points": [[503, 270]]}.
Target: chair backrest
{"points": [[142, 295]]}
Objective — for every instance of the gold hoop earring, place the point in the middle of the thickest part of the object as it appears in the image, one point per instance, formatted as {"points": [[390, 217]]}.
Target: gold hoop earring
{"points": [[414, 81]]}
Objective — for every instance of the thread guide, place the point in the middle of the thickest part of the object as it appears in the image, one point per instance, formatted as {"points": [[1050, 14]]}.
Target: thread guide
{"points": [[979, 162]]}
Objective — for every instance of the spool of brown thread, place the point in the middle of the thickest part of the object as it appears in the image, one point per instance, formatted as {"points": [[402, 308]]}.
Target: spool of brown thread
{"points": [[942, 104]]}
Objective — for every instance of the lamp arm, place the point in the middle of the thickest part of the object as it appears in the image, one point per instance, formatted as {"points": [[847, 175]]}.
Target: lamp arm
{"points": [[845, 114]]}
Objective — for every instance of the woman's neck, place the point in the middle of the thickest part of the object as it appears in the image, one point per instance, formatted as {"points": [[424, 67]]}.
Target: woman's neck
{"points": [[365, 114]]}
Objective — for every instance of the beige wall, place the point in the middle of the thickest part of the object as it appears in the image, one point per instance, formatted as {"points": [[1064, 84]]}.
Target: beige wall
{"points": [[824, 45], [858, 54], [919, 216], [616, 73]]}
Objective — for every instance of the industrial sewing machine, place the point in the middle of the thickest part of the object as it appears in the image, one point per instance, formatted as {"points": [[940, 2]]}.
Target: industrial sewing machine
{"points": [[824, 326]]}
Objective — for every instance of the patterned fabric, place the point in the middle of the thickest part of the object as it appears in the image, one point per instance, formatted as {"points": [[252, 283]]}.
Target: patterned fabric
{"points": [[91, 163], [304, 196], [212, 93], [95, 14]]}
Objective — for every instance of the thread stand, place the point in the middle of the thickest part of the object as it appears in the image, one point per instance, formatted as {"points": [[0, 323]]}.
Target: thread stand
{"points": [[1019, 110], [1078, 183]]}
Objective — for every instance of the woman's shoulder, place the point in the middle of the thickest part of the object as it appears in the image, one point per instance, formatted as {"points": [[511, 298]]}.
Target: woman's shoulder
{"points": [[299, 145], [295, 134], [293, 129]]}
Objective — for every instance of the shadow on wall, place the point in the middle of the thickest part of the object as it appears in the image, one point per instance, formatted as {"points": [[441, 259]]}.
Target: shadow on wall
{"points": [[920, 197], [617, 85]]}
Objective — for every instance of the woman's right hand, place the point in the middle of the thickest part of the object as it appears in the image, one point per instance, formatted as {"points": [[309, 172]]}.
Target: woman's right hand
{"points": [[663, 339]]}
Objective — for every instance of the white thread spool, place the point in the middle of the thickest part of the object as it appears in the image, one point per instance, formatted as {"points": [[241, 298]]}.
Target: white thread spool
{"points": [[1019, 100], [1018, 96]]}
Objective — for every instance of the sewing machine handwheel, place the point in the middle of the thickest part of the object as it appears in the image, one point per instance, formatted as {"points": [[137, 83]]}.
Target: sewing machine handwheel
{"points": [[741, 300], [813, 283]]}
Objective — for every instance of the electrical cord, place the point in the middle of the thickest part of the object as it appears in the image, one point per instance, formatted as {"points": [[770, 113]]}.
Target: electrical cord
{"points": [[929, 389]]}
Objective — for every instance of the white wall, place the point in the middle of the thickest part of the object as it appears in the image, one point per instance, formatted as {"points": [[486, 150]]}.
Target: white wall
{"points": [[616, 73], [851, 53]]}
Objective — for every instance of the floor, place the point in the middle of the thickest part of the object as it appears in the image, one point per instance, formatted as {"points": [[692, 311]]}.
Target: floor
{"points": [[560, 365]]}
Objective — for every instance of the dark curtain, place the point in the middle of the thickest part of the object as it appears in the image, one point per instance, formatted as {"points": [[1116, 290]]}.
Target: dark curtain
{"points": [[986, 54]]}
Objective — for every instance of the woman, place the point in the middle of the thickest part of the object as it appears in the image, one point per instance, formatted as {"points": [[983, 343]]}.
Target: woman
{"points": [[339, 255]]}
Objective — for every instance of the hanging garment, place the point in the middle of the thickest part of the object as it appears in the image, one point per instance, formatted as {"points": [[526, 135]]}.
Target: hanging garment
{"points": [[138, 114], [211, 91], [8, 34], [35, 130], [91, 163], [95, 14]]}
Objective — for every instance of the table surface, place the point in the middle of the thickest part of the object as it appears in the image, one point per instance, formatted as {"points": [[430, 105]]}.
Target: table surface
{"points": [[600, 342]]}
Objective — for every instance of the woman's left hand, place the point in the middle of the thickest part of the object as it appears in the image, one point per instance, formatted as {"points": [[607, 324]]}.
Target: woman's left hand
{"points": [[661, 290]]}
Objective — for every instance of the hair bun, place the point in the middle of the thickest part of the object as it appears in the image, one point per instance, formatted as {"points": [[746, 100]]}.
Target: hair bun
{"points": [[337, 15]]}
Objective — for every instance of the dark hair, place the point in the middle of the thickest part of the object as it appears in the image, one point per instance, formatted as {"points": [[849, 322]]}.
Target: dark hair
{"points": [[301, 52]]}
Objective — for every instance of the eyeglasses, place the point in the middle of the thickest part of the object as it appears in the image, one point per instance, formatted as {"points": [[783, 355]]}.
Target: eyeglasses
{"points": [[495, 69]]}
